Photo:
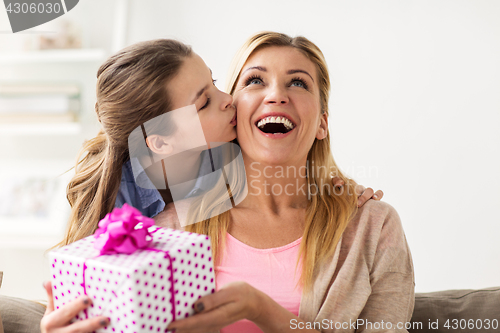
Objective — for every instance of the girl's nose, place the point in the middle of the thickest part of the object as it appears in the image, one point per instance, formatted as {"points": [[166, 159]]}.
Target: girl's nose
{"points": [[226, 101], [276, 95]]}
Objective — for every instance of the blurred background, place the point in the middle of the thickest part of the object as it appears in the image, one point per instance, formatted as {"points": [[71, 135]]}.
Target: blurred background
{"points": [[415, 111]]}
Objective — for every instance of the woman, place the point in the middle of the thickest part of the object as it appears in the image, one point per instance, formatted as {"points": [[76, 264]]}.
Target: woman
{"points": [[352, 270], [138, 84]]}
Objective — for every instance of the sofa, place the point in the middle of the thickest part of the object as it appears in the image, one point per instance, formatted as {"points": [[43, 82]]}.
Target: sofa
{"points": [[448, 311], [457, 311]]}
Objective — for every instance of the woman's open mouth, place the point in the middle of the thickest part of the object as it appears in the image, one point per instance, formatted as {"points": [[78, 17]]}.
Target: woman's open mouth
{"points": [[275, 126]]}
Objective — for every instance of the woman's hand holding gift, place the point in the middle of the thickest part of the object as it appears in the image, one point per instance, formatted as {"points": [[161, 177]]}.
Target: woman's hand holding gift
{"points": [[233, 302]]}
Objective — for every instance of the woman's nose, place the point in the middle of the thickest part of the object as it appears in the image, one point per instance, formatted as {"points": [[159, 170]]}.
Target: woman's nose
{"points": [[276, 95]]}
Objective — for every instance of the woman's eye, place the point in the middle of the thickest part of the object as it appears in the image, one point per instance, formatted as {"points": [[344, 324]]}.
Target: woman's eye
{"points": [[253, 80], [299, 83], [206, 104]]}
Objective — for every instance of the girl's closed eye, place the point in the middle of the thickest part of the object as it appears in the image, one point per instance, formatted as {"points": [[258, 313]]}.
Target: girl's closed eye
{"points": [[254, 79], [206, 104], [298, 82]]}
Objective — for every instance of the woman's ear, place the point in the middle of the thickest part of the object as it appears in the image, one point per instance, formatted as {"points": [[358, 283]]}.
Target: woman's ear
{"points": [[323, 127], [159, 145]]}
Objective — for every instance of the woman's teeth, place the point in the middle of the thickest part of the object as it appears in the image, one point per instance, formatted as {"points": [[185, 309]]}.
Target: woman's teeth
{"points": [[275, 120]]}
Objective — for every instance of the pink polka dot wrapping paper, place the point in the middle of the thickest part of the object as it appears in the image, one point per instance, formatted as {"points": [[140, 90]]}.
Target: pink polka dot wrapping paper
{"points": [[140, 292]]}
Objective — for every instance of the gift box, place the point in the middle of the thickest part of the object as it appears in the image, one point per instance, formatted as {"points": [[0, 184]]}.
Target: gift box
{"points": [[140, 276]]}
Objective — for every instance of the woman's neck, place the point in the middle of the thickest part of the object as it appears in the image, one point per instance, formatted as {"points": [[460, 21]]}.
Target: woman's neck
{"points": [[276, 187]]}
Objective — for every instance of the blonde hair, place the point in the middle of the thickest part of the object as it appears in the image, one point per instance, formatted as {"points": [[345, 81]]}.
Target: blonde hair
{"points": [[327, 215], [131, 89]]}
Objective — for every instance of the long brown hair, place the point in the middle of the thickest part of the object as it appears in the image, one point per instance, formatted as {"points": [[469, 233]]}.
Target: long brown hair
{"points": [[328, 214], [131, 89]]}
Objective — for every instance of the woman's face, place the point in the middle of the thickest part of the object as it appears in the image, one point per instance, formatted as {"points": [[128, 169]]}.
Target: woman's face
{"points": [[194, 85], [278, 103]]}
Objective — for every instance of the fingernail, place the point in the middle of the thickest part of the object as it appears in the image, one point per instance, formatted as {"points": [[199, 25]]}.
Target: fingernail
{"points": [[200, 307], [86, 300], [375, 196], [104, 322]]}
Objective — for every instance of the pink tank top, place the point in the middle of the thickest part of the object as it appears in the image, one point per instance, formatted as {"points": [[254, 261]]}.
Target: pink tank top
{"points": [[269, 270]]}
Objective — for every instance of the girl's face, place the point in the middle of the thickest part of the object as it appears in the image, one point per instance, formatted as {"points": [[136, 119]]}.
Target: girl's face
{"points": [[278, 103], [194, 85]]}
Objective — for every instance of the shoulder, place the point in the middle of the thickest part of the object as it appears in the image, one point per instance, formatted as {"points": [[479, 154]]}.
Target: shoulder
{"points": [[376, 232], [378, 209], [127, 180], [127, 172], [374, 216], [126, 190]]}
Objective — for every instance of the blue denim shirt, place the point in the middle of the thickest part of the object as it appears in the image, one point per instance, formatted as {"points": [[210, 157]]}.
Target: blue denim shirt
{"points": [[149, 201]]}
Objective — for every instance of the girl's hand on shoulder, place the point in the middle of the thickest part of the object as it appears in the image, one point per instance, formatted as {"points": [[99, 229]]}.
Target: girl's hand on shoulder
{"points": [[59, 320], [364, 194], [233, 302]]}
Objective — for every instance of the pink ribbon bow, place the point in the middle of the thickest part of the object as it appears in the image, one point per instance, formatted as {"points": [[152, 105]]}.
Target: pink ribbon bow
{"points": [[124, 230]]}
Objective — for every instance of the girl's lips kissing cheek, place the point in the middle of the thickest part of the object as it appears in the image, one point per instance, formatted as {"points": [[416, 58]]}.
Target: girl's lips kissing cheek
{"points": [[233, 121]]}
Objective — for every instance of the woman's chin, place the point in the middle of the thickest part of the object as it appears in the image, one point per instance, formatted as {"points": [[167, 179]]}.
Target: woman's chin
{"points": [[273, 157]]}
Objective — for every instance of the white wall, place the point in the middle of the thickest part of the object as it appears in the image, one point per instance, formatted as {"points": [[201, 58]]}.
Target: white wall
{"points": [[414, 108]]}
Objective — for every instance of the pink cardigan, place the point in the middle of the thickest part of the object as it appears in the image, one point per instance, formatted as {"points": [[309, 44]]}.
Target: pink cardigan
{"points": [[370, 276]]}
